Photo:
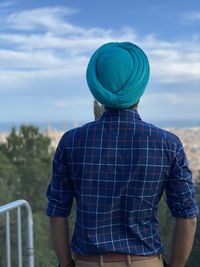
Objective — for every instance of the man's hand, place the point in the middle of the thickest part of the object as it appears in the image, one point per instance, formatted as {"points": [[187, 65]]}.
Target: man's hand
{"points": [[183, 237], [61, 239]]}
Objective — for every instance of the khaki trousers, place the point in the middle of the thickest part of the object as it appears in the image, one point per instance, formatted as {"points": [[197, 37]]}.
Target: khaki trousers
{"points": [[152, 262]]}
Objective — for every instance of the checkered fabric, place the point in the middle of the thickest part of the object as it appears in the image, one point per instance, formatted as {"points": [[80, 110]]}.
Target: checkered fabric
{"points": [[117, 169]]}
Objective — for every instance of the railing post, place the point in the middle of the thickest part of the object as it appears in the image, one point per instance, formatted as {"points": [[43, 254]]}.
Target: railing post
{"points": [[30, 244], [19, 236], [8, 249]]}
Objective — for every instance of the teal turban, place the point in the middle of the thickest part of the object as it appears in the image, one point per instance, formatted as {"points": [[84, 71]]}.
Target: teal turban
{"points": [[117, 74]]}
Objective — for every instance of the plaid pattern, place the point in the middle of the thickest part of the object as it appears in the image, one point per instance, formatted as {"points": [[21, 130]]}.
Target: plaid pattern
{"points": [[117, 168]]}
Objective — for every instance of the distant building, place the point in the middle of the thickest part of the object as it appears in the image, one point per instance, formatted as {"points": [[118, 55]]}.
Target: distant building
{"points": [[54, 135], [3, 137]]}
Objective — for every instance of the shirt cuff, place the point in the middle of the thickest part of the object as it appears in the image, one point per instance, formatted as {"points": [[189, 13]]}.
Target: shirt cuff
{"points": [[188, 213], [54, 210]]}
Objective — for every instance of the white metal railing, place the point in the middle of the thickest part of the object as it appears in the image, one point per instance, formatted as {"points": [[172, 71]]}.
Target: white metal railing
{"points": [[29, 247]]}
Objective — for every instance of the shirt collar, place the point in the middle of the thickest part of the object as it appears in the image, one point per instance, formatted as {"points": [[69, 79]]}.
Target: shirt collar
{"points": [[128, 113]]}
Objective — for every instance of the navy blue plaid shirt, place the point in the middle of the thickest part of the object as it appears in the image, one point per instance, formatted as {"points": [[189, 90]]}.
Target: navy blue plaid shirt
{"points": [[117, 169]]}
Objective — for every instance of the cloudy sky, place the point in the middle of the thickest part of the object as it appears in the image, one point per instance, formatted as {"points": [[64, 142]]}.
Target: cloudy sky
{"points": [[45, 47]]}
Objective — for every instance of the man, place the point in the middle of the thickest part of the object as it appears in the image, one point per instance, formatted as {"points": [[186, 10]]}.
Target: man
{"points": [[117, 168]]}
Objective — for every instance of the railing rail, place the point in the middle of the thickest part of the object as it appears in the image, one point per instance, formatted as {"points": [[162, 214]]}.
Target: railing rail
{"points": [[29, 247]]}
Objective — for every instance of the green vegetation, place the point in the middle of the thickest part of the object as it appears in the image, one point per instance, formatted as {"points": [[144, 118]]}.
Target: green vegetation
{"points": [[25, 171]]}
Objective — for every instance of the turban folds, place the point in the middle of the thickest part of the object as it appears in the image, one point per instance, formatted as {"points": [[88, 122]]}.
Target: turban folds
{"points": [[117, 74]]}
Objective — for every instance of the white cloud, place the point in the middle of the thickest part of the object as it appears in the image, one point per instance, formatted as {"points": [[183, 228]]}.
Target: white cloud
{"points": [[41, 45], [47, 18], [173, 98], [177, 105], [72, 45], [18, 59], [40, 60], [191, 17], [175, 71], [48, 42]]}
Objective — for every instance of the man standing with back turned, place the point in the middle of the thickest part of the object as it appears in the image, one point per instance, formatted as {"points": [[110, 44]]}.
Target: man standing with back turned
{"points": [[117, 169]]}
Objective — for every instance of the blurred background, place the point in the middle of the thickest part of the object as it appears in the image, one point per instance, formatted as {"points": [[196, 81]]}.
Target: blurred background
{"points": [[44, 50]]}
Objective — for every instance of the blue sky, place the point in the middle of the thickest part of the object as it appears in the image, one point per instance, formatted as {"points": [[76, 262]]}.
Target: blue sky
{"points": [[45, 47]]}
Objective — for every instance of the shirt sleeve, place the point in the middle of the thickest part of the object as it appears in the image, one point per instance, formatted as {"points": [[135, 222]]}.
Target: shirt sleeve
{"points": [[180, 190], [60, 191]]}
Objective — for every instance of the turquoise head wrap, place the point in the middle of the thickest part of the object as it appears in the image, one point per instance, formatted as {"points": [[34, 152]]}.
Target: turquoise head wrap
{"points": [[117, 74]]}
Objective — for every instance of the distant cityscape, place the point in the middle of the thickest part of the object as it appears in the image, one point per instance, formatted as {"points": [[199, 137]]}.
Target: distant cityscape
{"points": [[66, 125], [190, 137]]}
